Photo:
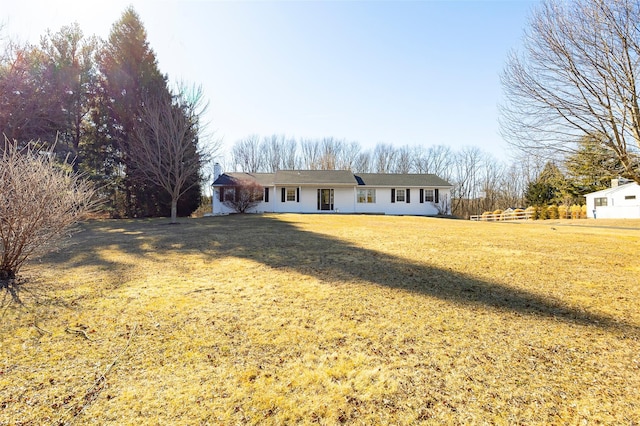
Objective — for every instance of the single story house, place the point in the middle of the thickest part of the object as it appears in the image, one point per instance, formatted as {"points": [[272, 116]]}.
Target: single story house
{"points": [[337, 191], [621, 201]]}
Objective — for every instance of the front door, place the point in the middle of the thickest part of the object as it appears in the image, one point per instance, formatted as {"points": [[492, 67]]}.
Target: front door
{"points": [[325, 199]]}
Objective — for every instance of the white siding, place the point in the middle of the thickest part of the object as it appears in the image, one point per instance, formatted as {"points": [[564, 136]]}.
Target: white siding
{"points": [[220, 208], [342, 201], [620, 203], [384, 205], [345, 201]]}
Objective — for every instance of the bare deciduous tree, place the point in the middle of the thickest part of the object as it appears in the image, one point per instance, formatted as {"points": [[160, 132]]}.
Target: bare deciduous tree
{"points": [[349, 155], [384, 157], [404, 160], [39, 201], [166, 149], [577, 76], [330, 150], [310, 154], [271, 149], [440, 161], [362, 163], [465, 193], [289, 154], [246, 154], [247, 195]]}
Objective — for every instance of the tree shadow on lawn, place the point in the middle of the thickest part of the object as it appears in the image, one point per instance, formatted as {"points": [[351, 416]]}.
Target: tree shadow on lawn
{"points": [[279, 244]]}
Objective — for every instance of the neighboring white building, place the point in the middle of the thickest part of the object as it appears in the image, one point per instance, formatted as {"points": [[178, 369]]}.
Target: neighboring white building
{"points": [[339, 191], [621, 201]]}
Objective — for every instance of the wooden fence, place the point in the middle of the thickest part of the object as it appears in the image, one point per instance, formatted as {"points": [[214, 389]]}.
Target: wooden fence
{"points": [[503, 217]]}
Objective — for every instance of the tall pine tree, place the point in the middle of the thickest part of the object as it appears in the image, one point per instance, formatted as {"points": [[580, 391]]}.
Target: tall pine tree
{"points": [[129, 73], [592, 166]]}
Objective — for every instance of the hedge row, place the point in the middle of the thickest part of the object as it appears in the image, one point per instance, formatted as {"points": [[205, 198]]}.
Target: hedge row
{"points": [[539, 213]]}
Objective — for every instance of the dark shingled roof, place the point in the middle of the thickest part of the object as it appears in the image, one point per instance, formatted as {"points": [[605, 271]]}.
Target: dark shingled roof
{"points": [[235, 178], [331, 177], [311, 177], [389, 179]]}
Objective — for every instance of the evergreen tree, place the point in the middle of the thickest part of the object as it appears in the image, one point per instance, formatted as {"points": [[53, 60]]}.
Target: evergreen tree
{"points": [[550, 187], [129, 73], [28, 99], [539, 193], [592, 166], [73, 76]]}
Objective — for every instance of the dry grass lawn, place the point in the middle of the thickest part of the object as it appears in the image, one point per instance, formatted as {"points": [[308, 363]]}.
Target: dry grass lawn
{"points": [[300, 319]]}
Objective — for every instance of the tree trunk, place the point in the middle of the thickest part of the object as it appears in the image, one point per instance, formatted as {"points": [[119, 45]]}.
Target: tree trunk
{"points": [[174, 210]]}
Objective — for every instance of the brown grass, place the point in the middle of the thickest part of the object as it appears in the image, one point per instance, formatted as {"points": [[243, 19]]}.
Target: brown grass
{"points": [[285, 319]]}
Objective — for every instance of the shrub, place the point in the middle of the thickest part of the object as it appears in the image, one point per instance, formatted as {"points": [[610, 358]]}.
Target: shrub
{"points": [[575, 211], [519, 213], [552, 212], [247, 195], [39, 201], [497, 214], [531, 211], [563, 212], [203, 208], [543, 213], [535, 212], [486, 216], [583, 211]]}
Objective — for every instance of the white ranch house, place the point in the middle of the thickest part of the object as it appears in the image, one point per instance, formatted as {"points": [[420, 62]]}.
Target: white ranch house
{"points": [[339, 191], [621, 201]]}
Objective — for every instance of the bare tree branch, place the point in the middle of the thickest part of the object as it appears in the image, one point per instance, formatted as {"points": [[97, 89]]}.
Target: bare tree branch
{"points": [[166, 149], [39, 201], [576, 77]]}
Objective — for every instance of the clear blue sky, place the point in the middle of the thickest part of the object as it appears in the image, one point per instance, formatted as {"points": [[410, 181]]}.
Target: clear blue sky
{"points": [[395, 72]]}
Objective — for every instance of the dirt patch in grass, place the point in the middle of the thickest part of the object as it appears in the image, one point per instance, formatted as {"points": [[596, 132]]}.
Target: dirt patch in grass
{"points": [[329, 319]]}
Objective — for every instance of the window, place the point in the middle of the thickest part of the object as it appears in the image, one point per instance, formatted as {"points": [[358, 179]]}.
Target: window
{"points": [[629, 197], [229, 194], [601, 202], [366, 195], [400, 195], [290, 194], [428, 195]]}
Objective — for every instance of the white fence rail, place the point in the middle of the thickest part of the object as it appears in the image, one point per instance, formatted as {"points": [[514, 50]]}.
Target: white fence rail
{"points": [[502, 217]]}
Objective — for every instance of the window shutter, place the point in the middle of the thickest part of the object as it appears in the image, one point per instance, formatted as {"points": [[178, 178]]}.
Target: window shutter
{"points": [[408, 198], [221, 194], [393, 195], [236, 194], [284, 194], [298, 195], [318, 199], [436, 196], [266, 195], [421, 195]]}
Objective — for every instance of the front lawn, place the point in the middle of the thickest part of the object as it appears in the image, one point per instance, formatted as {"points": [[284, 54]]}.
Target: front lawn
{"points": [[328, 319]]}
